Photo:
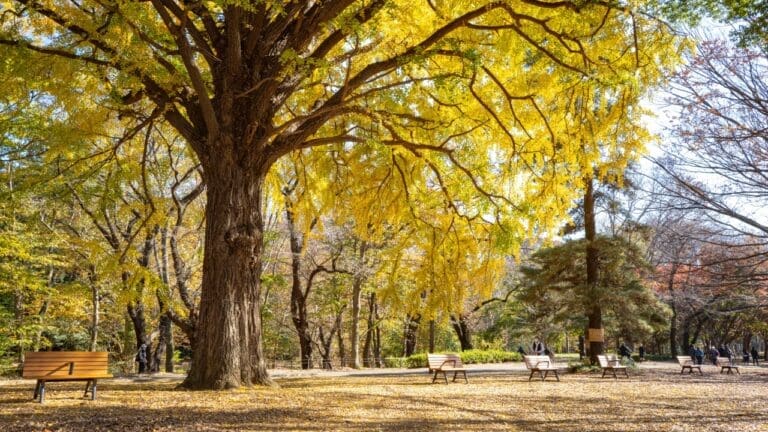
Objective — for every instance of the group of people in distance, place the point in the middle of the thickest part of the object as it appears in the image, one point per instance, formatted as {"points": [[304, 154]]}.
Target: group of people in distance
{"points": [[539, 348], [697, 354]]}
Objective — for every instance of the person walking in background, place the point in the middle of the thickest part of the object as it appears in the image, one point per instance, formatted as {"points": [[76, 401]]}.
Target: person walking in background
{"points": [[624, 351], [713, 353], [141, 358], [698, 355], [745, 355], [538, 347], [641, 352], [754, 356]]}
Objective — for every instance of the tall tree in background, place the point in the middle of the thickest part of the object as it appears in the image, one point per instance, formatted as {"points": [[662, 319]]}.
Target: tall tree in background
{"points": [[245, 84], [717, 162]]}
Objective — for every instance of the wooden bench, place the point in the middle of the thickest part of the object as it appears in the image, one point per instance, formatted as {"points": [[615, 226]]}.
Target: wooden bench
{"points": [[609, 363], [47, 366], [726, 365], [687, 363], [444, 363], [541, 364]]}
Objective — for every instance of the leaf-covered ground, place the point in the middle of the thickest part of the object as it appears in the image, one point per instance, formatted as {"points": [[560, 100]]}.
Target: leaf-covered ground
{"points": [[654, 398]]}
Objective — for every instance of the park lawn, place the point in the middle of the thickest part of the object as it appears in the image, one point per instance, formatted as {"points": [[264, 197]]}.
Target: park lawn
{"points": [[651, 400]]}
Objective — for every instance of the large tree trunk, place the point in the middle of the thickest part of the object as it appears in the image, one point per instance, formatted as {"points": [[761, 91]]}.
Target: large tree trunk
{"points": [[595, 313], [228, 351]]}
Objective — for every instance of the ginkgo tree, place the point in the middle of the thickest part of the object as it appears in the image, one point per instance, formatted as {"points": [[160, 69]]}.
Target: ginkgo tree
{"points": [[454, 91]]}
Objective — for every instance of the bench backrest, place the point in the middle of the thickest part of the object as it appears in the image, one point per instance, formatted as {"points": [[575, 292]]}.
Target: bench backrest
{"points": [[723, 361], [60, 364], [436, 361], [607, 359], [685, 360], [536, 361]]}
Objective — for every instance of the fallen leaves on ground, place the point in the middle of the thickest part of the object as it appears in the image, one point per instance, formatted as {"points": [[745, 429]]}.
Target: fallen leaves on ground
{"points": [[650, 400]]}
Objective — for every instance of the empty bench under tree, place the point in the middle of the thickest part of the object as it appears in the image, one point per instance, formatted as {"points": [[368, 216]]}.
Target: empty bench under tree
{"points": [[609, 363], [541, 364], [444, 363], [48, 366]]}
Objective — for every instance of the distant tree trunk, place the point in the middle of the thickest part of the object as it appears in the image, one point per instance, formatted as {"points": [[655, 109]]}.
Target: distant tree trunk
{"points": [[461, 328], [595, 313], [673, 329], [326, 341], [372, 346], [432, 336], [357, 291], [746, 341], [411, 329], [94, 330], [299, 295], [340, 340], [159, 354], [368, 342], [673, 306], [169, 349]]}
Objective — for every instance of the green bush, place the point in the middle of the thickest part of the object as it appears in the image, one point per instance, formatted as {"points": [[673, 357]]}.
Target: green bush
{"points": [[467, 357], [659, 357]]}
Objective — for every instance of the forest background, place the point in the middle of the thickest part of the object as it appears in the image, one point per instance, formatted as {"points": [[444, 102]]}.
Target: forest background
{"points": [[469, 180]]}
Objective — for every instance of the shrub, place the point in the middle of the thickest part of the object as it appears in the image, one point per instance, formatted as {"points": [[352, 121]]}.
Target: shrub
{"points": [[467, 357]]}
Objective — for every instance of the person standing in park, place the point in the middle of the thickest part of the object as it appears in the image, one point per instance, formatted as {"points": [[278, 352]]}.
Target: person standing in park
{"points": [[538, 347], [141, 358], [754, 356], [713, 353], [698, 355], [641, 352], [745, 355]]}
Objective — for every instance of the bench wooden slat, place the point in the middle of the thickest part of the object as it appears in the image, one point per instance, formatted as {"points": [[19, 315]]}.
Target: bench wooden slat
{"points": [[53, 355], [46, 366]]}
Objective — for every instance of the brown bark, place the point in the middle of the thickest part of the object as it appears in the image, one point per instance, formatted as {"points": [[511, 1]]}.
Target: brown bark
{"points": [[595, 313], [357, 292], [461, 327], [299, 295], [229, 351], [411, 327]]}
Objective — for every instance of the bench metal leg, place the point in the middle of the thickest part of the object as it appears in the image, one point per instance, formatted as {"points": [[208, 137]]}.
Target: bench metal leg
{"points": [[37, 390], [456, 373], [42, 391], [531, 376], [90, 386]]}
